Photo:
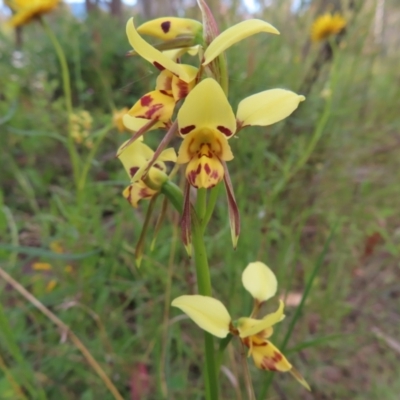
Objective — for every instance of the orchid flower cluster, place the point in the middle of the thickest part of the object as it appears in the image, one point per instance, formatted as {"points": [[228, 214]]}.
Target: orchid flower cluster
{"points": [[205, 120], [190, 104]]}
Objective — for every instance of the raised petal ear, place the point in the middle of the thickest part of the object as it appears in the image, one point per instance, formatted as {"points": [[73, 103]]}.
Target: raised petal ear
{"points": [[207, 107], [168, 28], [268, 107], [134, 156], [259, 281], [208, 313], [235, 34], [154, 56]]}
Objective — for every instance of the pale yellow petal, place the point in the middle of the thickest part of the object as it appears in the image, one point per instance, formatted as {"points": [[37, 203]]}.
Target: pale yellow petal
{"points": [[259, 281], [154, 56], [208, 313], [168, 155], [206, 106], [168, 28], [251, 326], [268, 107], [235, 34]]}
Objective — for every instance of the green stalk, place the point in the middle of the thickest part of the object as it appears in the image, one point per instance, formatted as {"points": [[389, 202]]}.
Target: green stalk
{"points": [[204, 287], [73, 154]]}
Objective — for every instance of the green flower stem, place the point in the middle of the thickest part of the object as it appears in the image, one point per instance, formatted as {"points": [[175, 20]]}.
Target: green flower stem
{"points": [[174, 194], [204, 287], [201, 204], [73, 154], [212, 201]]}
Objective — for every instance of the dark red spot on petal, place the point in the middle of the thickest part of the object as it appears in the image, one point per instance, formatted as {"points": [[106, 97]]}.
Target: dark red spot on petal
{"points": [[198, 170], [207, 169], [187, 129], [224, 130], [158, 66], [146, 100], [133, 171], [158, 166], [183, 89], [165, 26]]}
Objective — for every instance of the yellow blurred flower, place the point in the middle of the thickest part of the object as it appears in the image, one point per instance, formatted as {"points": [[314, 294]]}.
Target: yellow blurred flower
{"points": [[212, 316], [327, 25], [81, 124], [26, 10], [117, 119]]}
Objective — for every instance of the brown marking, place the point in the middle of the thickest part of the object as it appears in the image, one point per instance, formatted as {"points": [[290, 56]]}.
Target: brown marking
{"points": [[165, 26], [133, 171], [187, 129], [158, 166], [158, 66], [207, 169], [192, 178], [268, 364], [198, 170], [224, 130], [146, 100], [183, 89], [277, 356], [166, 93], [152, 110]]}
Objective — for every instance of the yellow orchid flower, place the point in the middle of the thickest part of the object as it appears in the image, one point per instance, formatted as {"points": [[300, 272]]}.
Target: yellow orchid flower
{"points": [[135, 157], [26, 10], [212, 316], [168, 28], [206, 121]]}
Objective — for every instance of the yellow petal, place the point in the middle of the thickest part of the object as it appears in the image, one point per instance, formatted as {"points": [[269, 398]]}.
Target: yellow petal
{"points": [[268, 107], [181, 89], [136, 192], [296, 374], [267, 357], [164, 80], [168, 28], [157, 105], [251, 326], [208, 313], [259, 281], [235, 34], [134, 156], [206, 106], [175, 54], [154, 56], [168, 155]]}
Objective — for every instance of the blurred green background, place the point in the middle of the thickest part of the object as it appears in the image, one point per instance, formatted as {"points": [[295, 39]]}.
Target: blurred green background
{"points": [[318, 193]]}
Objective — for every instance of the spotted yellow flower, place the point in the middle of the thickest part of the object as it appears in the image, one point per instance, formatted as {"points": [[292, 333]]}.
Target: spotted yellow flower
{"points": [[327, 25], [135, 157], [206, 121], [212, 316], [26, 10]]}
